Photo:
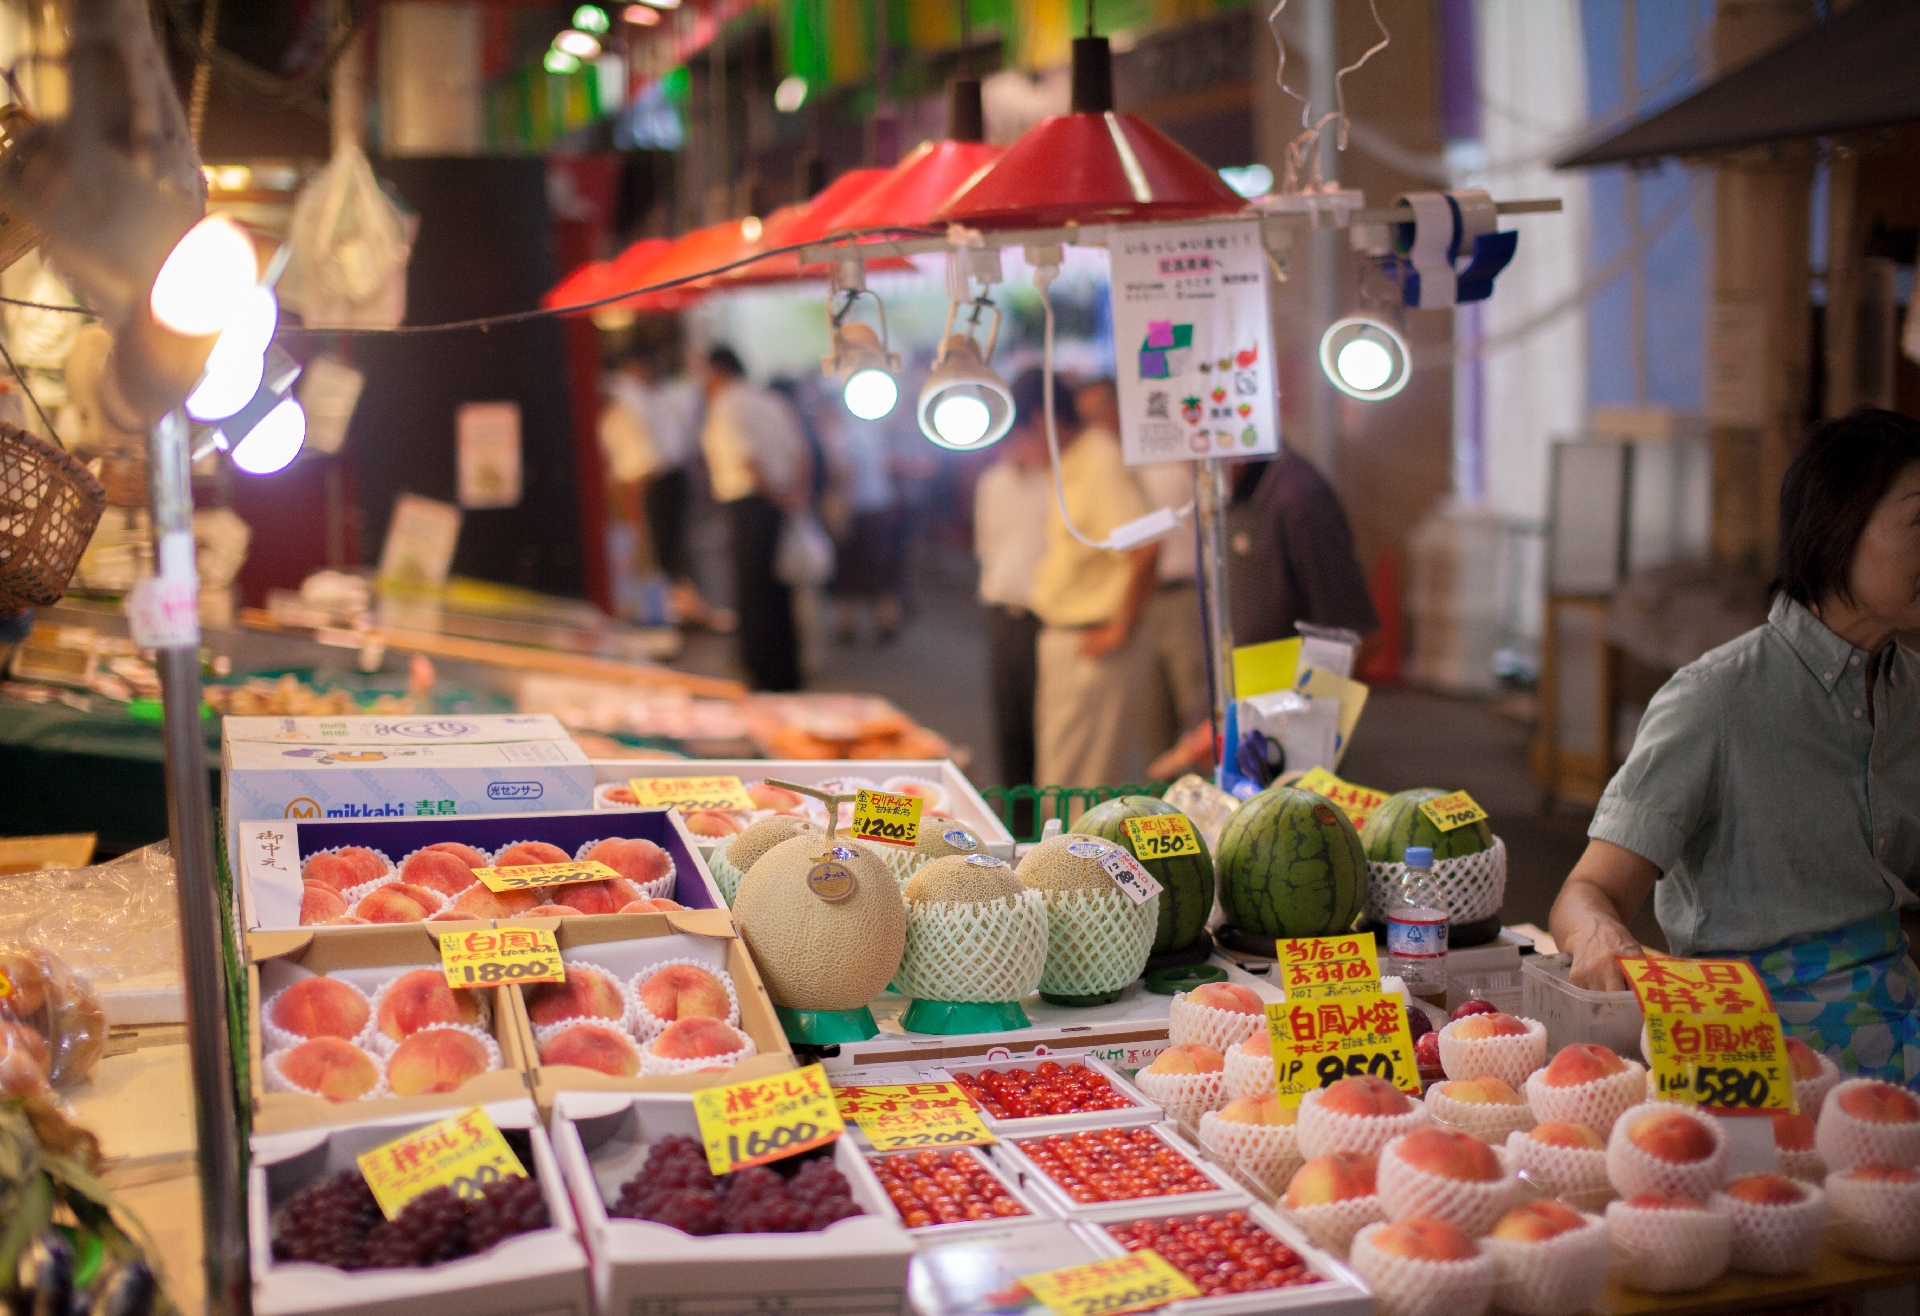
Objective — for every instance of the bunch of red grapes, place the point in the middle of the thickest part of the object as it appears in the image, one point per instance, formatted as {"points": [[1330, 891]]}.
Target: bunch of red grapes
{"points": [[1219, 1254], [943, 1188], [675, 1187], [336, 1222], [1047, 1089], [1112, 1165]]}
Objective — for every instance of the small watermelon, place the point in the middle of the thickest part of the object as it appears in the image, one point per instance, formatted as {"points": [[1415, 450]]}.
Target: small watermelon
{"points": [[1291, 865], [1186, 896], [1399, 823]]}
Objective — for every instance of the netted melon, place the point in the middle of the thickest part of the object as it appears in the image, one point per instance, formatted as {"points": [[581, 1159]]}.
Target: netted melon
{"points": [[955, 877], [1098, 939], [734, 855], [974, 933], [816, 954], [938, 838]]}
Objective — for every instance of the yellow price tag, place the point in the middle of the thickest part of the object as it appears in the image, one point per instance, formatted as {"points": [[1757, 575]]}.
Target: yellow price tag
{"points": [[1318, 1043], [1139, 1281], [913, 1116], [689, 794], [1453, 811], [464, 1152], [487, 956], [1674, 986], [1162, 836], [6, 986], [1319, 968], [522, 876], [888, 819], [1721, 1062], [1357, 802], [767, 1119]]}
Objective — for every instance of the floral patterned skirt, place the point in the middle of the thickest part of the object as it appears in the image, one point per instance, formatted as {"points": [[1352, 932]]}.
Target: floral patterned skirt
{"points": [[1852, 993]]}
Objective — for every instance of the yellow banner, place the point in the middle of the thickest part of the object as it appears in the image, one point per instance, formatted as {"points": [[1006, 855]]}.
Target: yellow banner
{"points": [[888, 819], [767, 1119], [493, 955], [1357, 802], [464, 1153], [1672, 986], [1320, 968], [1138, 1281], [1318, 1043], [1454, 811], [913, 1116], [691, 793], [522, 876], [1721, 1062], [1162, 836]]}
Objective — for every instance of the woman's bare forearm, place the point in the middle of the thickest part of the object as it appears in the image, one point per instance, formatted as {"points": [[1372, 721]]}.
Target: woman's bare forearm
{"points": [[1589, 919]]}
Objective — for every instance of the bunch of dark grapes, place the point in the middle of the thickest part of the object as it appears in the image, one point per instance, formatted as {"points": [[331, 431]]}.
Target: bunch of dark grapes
{"points": [[336, 1222], [675, 1187]]}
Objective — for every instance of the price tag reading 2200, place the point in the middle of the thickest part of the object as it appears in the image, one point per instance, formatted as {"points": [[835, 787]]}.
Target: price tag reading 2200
{"points": [[767, 1119], [888, 819]]}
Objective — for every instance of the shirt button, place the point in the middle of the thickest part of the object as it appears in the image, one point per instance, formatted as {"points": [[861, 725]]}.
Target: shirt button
{"points": [[1859, 712], [1855, 660]]}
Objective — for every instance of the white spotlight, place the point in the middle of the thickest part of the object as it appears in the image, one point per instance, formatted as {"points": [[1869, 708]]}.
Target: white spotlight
{"points": [[1365, 359], [791, 94], [964, 404], [273, 443], [865, 368], [206, 278], [577, 43]]}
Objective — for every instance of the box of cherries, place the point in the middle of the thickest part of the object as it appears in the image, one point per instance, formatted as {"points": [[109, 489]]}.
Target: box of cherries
{"points": [[1050, 1094]]}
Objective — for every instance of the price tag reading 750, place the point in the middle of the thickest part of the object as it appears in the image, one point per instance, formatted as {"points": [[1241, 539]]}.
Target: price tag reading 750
{"points": [[1318, 1043], [888, 819], [522, 876], [1162, 836], [489, 955], [767, 1119], [1138, 1281]]}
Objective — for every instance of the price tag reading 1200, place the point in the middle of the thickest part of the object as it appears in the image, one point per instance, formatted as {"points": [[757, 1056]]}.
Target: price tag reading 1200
{"points": [[1139, 1281], [464, 1153], [488, 956], [522, 876], [888, 819], [766, 1119], [1318, 1043], [1162, 836], [691, 794]]}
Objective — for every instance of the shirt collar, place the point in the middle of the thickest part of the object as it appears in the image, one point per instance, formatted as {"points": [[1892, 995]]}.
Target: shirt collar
{"points": [[1825, 654]]}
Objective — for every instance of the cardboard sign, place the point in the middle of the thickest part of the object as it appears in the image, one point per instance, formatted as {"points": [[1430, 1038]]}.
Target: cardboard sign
{"points": [[464, 1152], [522, 876], [1357, 802], [913, 1116], [1127, 874], [1138, 1281], [1162, 836], [767, 1119], [1454, 811], [1674, 986], [1321, 968], [1261, 668], [1318, 1043], [888, 819], [689, 794], [1729, 1064], [487, 956]]}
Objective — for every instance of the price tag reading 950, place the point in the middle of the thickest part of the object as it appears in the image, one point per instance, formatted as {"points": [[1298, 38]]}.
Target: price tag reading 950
{"points": [[522, 876], [464, 1153], [1139, 1281], [1318, 1043], [888, 819], [1731, 1064], [487, 956], [691, 794], [767, 1119], [1318, 968], [1162, 836], [1454, 811]]}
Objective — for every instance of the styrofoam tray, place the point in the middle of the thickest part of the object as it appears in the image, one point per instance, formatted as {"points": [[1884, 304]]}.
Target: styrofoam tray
{"points": [[1225, 1196], [1144, 1111], [1037, 1208]]}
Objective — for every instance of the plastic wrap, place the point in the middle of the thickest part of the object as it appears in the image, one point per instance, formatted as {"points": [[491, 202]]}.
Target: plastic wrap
{"points": [[111, 923], [52, 1027]]}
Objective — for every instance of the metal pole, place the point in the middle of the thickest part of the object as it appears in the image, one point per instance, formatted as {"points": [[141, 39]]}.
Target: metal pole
{"points": [[190, 829], [1210, 515]]}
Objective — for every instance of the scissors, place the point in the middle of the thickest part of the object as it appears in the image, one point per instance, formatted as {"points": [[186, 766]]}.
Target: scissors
{"points": [[1260, 758]]}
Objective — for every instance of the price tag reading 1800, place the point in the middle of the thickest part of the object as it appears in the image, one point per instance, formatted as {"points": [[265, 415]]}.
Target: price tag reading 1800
{"points": [[1736, 1064], [1318, 1043], [1162, 836], [488, 956], [1139, 1281], [522, 876], [464, 1153], [767, 1119], [888, 819]]}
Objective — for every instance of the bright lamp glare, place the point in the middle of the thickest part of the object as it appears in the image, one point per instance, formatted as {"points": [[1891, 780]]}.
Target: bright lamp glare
{"points": [[961, 419], [1365, 358], [274, 442], [559, 61], [870, 393], [591, 18], [791, 94], [206, 278], [640, 15], [1364, 364], [577, 43], [228, 384]]}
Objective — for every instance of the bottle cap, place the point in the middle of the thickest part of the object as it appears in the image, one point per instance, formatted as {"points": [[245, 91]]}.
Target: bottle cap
{"points": [[1419, 856]]}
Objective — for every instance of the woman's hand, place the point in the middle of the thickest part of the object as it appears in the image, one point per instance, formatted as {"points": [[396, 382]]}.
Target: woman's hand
{"points": [[1589, 920]]}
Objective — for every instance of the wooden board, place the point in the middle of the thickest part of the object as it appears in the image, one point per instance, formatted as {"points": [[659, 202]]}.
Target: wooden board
{"points": [[1837, 1274]]}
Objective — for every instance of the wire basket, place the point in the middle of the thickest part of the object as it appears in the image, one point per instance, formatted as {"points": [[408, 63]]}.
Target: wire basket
{"points": [[49, 506]]}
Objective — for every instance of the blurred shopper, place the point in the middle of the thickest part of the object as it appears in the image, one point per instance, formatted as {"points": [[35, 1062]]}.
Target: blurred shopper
{"points": [[1290, 554], [868, 541], [757, 463], [1011, 504], [1093, 652]]}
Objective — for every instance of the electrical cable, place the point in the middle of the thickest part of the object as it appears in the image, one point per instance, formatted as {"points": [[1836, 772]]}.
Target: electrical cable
{"points": [[27, 388]]}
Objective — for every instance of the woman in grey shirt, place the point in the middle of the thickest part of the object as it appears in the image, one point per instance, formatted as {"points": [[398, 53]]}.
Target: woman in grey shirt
{"points": [[1771, 803]]}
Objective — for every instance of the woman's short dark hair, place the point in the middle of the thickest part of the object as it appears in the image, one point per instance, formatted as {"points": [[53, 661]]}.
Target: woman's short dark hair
{"points": [[1030, 400], [1839, 477]]}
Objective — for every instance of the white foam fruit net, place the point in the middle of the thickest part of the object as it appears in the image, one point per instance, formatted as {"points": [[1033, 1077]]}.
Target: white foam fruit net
{"points": [[647, 1025], [1097, 941], [1211, 1026], [1577, 1174], [1874, 1218], [1634, 1171], [1557, 1276], [992, 950], [1806, 1166], [903, 861], [651, 1064], [1332, 1225], [1511, 1058], [1811, 1093], [1848, 1141], [1250, 1075], [1408, 1287], [1475, 885], [1773, 1239], [630, 1005], [1267, 1153], [1485, 1121], [1410, 1191], [494, 1059], [1323, 1132], [1662, 1250], [725, 875], [1596, 1104], [274, 1079], [1185, 1097]]}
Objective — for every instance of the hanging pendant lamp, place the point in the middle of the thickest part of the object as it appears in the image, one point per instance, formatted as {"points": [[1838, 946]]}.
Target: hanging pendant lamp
{"points": [[932, 172]]}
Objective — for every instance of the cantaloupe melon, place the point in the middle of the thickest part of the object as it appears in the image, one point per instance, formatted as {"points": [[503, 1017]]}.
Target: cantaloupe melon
{"points": [[959, 878], [1053, 865], [735, 855], [975, 933], [816, 954], [1098, 939], [940, 837]]}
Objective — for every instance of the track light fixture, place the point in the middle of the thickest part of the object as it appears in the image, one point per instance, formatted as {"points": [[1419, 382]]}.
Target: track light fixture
{"points": [[1365, 358], [965, 404], [861, 359]]}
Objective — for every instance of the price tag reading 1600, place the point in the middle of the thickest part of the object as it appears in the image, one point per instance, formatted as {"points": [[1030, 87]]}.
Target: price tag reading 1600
{"points": [[766, 1119]]}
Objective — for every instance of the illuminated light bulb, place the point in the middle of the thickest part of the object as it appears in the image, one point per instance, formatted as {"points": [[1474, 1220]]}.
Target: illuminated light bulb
{"points": [[964, 403], [559, 61], [791, 94], [227, 384], [751, 228], [870, 393], [641, 15], [1365, 358], [962, 420], [273, 443], [577, 43], [591, 18], [205, 280], [1364, 364]]}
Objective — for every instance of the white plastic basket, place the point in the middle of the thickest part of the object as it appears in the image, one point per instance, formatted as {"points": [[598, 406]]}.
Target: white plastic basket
{"points": [[1474, 886]]}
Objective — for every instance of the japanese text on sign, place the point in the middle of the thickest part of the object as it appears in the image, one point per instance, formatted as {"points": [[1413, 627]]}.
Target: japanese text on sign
{"points": [[767, 1119], [1357, 802], [1670, 986], [1138, 1281], [1450, 812], [1317, 968], [1721, 1062], [908, 1116], [1129, 876], [888, 819], [689, 794], [1318, 1043], [522, 876], [1162, 836], [493, 955], [464, 1153]]}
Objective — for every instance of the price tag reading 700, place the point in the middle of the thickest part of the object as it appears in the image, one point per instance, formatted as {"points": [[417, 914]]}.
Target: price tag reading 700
{"points": [[522, 876], [1138, 1281], [495, 955], [464, 1153], [1162, 836], [766, 1119], [1453, 811], [1318, 1043], [888, 819]]}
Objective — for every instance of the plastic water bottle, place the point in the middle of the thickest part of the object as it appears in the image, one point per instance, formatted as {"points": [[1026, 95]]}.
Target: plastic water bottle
{"points": [[1417, 929]]}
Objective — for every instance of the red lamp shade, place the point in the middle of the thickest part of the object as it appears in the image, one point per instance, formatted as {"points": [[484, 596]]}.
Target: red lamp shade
{"points": [[919, 185], [691, 254], [598, 279], [820, 218]]}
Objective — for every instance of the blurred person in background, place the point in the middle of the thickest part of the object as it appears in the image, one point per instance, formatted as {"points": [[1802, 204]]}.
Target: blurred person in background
{"points": [[1290, 555], [758, 464], [1011, 504], [868, 538]]}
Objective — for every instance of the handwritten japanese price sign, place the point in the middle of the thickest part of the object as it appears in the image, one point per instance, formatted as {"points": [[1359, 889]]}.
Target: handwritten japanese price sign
{"points": [[1672, 986], [464, 1152], [489, 955], [1453, 811], [691, 793], [888, 819], [1127, 874], [1162, 836], [904, 1116], [1317, 1043], [1357, 802], [1319, 968], [1736, 1064], [1138, 1281], [522, 876], [767, 1119]]}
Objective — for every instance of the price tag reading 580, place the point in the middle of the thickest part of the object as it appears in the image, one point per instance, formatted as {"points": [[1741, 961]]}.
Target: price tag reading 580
{"points": [[767, 1119], [888, 819]]}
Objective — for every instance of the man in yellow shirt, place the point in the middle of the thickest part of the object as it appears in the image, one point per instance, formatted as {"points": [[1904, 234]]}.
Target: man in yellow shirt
{"points": [[1093, 653]]}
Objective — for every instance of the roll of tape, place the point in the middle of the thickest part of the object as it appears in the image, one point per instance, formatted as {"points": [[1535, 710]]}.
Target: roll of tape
{"points": [[1478, 217], [1431, 252]]}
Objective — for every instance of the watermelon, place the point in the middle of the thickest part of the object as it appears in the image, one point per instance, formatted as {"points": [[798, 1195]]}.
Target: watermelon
{"points": [[1291, 865], [1186, 896], [1399, 823]]}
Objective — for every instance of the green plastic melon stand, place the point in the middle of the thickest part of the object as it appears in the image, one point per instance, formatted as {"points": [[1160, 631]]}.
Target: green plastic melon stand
{"points": [[827, 1027], [1182, 978], [1095, 998], [949, 1017]]}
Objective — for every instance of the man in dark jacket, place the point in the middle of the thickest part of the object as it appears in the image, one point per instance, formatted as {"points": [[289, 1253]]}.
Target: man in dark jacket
{"points": [[1290, 554]]}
